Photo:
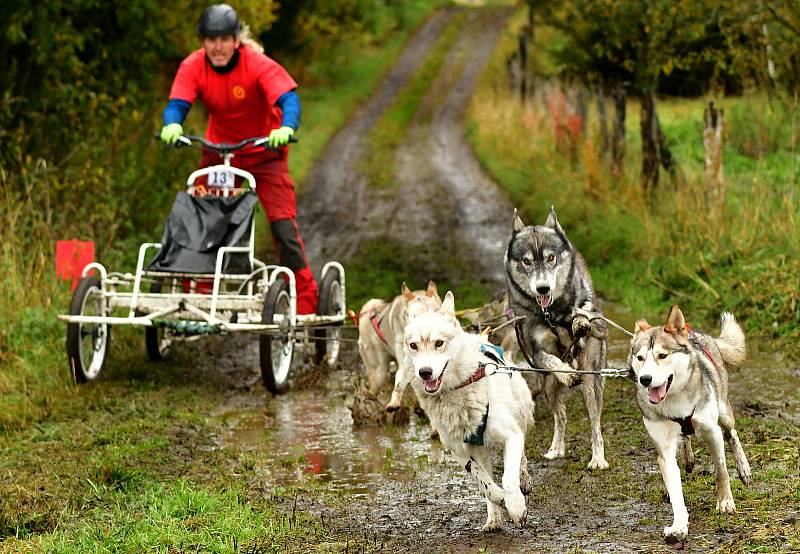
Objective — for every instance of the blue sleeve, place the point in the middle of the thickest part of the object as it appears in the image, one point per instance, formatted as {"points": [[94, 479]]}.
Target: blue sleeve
{"points": [[176, 111], [289, 103]]}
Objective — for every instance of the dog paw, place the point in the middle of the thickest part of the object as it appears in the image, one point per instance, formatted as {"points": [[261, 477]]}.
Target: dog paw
{"points": [[517, 509], [554, 454], [492, 524], [392, 408], [598, 463], [570, 380], [676, 533], [726, 506], [580, 326], [525, 483]]}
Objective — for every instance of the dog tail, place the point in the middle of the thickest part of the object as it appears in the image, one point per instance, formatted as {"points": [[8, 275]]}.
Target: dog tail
{"points": [[731, 341]]}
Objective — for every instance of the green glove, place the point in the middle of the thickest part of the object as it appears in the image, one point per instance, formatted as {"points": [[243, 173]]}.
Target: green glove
{"points": [[170, 133], [280, 137]]}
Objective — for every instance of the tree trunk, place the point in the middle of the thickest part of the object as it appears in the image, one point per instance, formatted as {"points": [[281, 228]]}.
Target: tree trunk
{"points": [[618, 141], [664, 153], [650, 143], [712, 145], [601, 119]]}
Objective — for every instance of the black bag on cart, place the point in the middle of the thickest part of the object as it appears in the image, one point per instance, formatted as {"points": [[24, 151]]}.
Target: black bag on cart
{"points": [[197, 227]]}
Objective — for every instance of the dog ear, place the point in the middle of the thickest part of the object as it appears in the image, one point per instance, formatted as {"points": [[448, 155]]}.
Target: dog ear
{"points": [[431, 290], [407, 294], [518, 225], [416, 307], [552, 220], [448, 304], [641, 326], [676, 324]]}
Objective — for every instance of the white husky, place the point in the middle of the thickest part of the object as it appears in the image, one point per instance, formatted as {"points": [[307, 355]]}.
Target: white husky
{"points": [[475, 410]]}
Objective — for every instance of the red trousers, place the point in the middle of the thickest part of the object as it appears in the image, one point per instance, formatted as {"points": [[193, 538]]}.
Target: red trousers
{"points": [[276, 193]]}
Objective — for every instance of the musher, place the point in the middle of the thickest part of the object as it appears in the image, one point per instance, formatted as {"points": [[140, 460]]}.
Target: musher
{"points": [[246, 94]]}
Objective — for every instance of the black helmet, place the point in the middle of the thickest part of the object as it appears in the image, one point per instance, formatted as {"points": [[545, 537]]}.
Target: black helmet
{"points": [[219, 20]]}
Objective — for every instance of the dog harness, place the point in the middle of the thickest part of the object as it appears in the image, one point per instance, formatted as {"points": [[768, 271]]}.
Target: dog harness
{"points": [[476, 437], [695, 339], [376, 324], [686, 423], [494, 353]]}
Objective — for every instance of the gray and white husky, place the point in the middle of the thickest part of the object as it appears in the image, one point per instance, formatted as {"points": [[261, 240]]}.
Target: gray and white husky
{"points": [[682, 387], [549, 284], [476, 411]]}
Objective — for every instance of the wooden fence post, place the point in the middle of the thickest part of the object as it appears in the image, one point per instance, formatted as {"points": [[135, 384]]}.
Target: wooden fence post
{"points": [[713, 122]]}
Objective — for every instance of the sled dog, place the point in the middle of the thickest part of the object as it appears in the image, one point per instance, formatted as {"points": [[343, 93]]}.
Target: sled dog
{"points": [[549, 284], [475, 410], [682, 388], [380, 340]]}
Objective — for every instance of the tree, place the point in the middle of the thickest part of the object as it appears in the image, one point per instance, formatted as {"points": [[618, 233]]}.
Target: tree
{"points": [[625, 46]]}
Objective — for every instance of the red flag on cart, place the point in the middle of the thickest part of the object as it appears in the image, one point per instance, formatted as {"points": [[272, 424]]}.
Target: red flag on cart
{"points": [[71, 257]]}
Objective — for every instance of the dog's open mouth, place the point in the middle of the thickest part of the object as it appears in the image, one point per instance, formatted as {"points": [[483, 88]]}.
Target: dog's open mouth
{"points": [[544, 300], [432, 385], [657, 394]]}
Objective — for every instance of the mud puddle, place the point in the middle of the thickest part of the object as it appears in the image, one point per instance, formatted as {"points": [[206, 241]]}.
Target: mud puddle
{"points": [[309, 433]]}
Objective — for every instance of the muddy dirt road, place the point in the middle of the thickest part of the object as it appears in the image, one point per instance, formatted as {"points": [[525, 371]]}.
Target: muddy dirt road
{"points": [[441, 201], [402, 489]]}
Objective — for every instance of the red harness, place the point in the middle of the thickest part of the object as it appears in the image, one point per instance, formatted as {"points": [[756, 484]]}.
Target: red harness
{"points": [[373, 317], [695, 338]]}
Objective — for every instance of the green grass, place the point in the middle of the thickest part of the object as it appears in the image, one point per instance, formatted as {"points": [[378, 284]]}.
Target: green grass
{"points": [[130, 464], [379, 268]]}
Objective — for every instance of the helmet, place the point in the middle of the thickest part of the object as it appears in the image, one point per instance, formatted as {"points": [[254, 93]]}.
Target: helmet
{"points": [[218, 20]]}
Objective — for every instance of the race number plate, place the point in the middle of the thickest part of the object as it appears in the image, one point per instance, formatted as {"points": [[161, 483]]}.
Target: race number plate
{"points": [[221, 178]]}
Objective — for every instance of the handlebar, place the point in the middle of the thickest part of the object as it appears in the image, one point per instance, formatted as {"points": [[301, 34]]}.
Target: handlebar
{"points": [[222, 148]]}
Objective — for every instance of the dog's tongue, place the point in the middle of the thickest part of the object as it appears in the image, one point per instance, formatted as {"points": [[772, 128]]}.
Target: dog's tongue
{"points": [[545, 300], [657, 394], [433, 384]]}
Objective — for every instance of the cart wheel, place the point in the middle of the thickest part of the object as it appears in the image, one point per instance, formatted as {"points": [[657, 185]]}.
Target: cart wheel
{"points": [[157, 339], [331, 301], [276, 349], [87, 343]]}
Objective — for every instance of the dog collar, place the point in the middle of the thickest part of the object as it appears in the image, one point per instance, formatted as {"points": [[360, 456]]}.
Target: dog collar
{"points": [[494, 353], [479, 374]]}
